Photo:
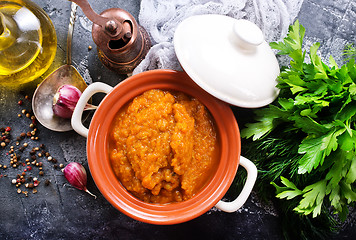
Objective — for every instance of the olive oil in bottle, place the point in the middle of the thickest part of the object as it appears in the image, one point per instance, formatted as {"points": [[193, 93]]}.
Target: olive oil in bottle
{"points": [[28, 42]]}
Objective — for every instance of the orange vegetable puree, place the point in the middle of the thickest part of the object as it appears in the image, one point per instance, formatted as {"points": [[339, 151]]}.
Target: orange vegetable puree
{"points": [[163, 146]]}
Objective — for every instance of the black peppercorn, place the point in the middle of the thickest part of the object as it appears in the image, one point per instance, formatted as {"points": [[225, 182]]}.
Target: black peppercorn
{"points": [[47, 182]]}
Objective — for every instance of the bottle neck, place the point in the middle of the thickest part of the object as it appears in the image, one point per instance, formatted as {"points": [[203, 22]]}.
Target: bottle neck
{"points": [[6, 38], [2, 24]]}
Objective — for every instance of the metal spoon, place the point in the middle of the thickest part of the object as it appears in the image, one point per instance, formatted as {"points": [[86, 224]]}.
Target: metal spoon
{"points": [[43, 97]]}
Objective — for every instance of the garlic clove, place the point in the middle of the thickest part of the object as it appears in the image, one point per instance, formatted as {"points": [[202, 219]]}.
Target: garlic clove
{"points": [[76, 175], [65, 100]]}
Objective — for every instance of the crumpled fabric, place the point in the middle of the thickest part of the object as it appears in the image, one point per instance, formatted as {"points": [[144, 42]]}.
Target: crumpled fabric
{"points": [[161, 17]]}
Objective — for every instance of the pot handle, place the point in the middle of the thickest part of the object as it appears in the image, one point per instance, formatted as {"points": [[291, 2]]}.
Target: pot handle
{"points": [[245, 193], [76, 120]]}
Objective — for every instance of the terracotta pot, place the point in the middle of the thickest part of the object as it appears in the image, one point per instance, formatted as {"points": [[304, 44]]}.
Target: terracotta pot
{"points": [[110, 186]]}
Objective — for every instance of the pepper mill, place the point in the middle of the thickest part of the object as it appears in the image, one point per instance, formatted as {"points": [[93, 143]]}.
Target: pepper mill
{"points": [[122, 44]]}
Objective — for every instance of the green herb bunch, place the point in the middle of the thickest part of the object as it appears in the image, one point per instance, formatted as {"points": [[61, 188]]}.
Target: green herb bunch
{"points": [[307, 137]]}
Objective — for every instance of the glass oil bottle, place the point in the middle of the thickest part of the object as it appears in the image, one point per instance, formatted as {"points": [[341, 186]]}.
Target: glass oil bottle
{"points": [[28, 42]]}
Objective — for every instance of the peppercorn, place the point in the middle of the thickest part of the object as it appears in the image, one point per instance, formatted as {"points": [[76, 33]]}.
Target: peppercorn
{"points": [[47, 182]]}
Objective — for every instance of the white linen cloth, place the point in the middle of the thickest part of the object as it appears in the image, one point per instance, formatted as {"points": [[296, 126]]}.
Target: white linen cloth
{"points": [[161, 17]]}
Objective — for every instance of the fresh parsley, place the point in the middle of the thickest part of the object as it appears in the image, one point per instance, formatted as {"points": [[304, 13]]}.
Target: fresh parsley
{"points": [[316, 105]]}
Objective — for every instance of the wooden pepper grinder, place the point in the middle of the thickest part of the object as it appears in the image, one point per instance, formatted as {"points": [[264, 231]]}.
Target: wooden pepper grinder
{"points": [[122, 43]]}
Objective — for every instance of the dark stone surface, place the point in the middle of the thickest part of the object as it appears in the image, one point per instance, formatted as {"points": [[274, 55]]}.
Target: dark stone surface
{"points": [[59, 211]]}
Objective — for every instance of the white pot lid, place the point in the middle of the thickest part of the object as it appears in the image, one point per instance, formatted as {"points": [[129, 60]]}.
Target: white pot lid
{"points": [[228, 58]]}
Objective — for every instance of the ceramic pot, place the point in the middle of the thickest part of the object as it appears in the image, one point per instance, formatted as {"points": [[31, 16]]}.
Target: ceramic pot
{"points": [[98, 152]]}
